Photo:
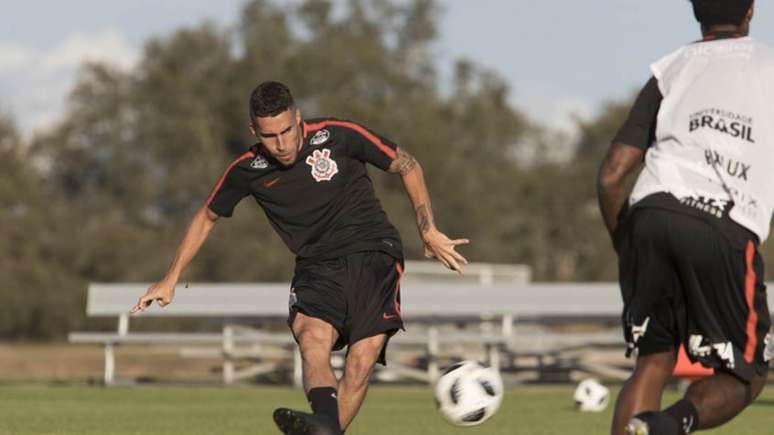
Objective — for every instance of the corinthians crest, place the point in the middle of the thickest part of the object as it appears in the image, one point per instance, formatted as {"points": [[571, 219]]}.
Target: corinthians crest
{"points": [[323, 167]]}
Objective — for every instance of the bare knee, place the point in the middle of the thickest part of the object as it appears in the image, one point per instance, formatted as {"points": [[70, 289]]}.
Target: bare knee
{"points": [[656, 367], [310, 339], [315, 337]]}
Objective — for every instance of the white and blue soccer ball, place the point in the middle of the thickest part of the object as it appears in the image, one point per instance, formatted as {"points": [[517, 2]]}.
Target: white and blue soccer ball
{"points": [[591, 396], [468, 393]]}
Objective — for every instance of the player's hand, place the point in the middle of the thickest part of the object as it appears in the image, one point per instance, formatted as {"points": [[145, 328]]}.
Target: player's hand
{"points": [[440, 247], [162, 292]]}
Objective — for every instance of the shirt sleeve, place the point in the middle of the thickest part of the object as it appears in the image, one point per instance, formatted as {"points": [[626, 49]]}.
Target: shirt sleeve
{"points": [[228, 191], [370, 147], [639, 129]]}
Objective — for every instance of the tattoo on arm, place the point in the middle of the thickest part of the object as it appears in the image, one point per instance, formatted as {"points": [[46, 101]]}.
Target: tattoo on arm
{"points": [[424, 217], [403, 163]]}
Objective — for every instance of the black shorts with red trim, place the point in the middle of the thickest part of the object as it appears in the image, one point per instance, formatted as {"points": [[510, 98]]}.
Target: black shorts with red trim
{"points": [[684, 281], [358, 294]]}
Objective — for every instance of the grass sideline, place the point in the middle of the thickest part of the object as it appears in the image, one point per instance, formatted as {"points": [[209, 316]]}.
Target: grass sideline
{"points": [[64, 410]]}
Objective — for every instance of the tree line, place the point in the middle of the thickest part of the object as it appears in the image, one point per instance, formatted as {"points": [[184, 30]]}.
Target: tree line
{"points": [[107, 193]]}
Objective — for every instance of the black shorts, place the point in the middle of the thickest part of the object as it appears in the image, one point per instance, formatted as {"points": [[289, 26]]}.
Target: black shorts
{"points": [[684, 281], [358, 294]]}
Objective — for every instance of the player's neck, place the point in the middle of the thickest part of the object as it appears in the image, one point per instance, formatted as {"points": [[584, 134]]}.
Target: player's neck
{"points": [[708, 32]]}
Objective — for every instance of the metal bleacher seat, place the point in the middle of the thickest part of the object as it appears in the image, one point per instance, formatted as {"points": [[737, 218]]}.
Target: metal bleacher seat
{"points": [[489, 309]]}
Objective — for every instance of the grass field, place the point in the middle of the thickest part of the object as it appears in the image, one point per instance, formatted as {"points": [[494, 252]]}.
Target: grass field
{"points": [[388, 411]]}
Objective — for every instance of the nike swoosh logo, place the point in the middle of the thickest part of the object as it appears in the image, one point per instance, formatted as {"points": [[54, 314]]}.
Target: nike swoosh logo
{"points": [[386, 316], [268, 184]]}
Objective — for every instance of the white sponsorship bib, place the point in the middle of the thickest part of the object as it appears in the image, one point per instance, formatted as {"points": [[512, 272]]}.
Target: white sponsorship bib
{"points": [[715, 129]]}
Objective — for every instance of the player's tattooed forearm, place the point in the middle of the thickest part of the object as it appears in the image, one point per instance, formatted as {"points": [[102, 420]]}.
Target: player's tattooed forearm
{"points": [[404, 162], [424, 217]]}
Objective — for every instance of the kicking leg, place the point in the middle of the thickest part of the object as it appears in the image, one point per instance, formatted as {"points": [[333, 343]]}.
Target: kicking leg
{"points": [[642, 391], [361, 359], [315, 340]]}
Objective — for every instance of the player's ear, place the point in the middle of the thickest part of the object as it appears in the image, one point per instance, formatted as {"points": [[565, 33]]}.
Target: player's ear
{"points": [[298, 116], [251, 126]]}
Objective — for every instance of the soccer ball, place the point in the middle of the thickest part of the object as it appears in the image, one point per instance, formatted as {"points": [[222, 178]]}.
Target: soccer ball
{"points": [[591, 396], [468, 393]]}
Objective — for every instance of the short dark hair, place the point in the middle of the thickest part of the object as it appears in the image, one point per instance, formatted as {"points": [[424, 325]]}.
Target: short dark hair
{"points": [[714, 12], [270, 99]]}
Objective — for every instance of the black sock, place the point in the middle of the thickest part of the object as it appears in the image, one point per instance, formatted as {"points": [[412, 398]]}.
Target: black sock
{"points": [[660, 423], [685, 414], [324, 402]]}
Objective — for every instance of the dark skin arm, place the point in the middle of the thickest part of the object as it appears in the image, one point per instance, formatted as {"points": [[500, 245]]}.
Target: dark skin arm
{"points": [[621, 161]]}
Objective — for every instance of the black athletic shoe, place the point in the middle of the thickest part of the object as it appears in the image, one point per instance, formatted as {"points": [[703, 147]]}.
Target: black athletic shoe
{"points": [[292, 422], [637, 426]]}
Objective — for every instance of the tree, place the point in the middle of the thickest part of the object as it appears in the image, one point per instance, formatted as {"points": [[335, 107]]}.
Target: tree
{"points": [[34, 286], [138, 152]]}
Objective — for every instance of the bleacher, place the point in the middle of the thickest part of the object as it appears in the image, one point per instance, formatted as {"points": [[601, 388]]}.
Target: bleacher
{"points": [[503, 319]]}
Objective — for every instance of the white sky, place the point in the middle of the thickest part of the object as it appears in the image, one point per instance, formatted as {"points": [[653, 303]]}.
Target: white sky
{"points": [[560, 57]]}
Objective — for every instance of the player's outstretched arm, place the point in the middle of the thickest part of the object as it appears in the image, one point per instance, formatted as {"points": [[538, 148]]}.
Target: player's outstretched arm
{"points": [[163, 291], [437, 244], [620, 161]]}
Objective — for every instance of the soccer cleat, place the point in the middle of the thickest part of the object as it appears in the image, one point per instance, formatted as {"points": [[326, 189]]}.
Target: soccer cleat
{"points": [[654, 423], [292, 422], [637, 427]]}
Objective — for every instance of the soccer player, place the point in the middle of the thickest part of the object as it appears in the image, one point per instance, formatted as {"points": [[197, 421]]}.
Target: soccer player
{"points": [[687, 241], [310, 178]]}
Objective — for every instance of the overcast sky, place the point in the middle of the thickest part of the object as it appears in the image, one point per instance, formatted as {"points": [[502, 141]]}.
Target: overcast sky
{"points": [[560, 57]]}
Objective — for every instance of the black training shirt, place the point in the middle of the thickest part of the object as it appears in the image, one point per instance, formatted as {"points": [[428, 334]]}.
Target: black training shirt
{"points": [[639, 129], [323, 206]]}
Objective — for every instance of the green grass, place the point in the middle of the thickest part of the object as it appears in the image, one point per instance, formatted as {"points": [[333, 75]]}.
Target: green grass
{"points": [[388, 411]]}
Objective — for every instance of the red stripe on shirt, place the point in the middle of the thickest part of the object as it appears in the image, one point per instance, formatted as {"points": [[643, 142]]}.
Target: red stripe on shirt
{"points": [[749, 295], [351, 125], [222, 178]]}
